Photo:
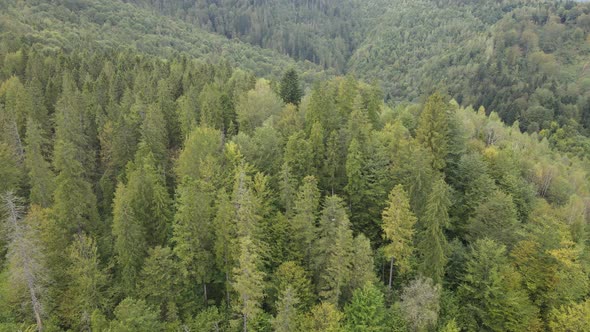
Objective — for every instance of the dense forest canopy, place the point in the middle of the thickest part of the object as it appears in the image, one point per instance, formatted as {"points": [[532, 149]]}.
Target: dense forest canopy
{"points": [[294, 165]]}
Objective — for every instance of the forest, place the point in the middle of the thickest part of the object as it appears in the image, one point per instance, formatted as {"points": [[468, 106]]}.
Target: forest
{"points": [[239, 165]]}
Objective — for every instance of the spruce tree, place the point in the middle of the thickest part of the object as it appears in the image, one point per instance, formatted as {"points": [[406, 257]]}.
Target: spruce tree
{"points": [[332, 251], [366, 311], [249, 282], [398, 230], [130, 245], [41, 178], [288, 316], [303, 223], [432, 243], [290, 89], [432, 131], [88, 282]]}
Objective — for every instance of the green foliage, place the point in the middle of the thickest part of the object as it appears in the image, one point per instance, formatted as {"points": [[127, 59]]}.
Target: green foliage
{"points": [[135, 315], [575, 317], [492, 291], [398, 227], [432, 243], [88, 282], [290, 89], [332, 251], [366, 310], [195, 187]]}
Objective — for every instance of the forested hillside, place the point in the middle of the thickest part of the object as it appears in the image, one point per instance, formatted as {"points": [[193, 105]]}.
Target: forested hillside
{"points": [[176, 166]]}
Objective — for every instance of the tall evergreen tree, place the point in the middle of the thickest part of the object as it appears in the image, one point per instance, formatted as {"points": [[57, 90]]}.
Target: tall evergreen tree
{"points": [[249, 283], [431, 240], [41, 178], [226, 245], [290, 89], [398, 228], [333, 249], [492, 291], [288, 316], [432, 131], [130, 245], [303, 223], [366, 311], [88, 282], [193, 229]]}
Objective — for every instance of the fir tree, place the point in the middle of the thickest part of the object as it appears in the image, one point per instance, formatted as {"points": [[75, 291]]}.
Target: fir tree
{"points": [[431, 241], [290, 89], [398, 229]]}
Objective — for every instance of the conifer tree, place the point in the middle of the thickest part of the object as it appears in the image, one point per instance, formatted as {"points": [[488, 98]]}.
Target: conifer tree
{"points": [[154, 137], [288, 317], [290, 274], [432, 131], [398, 229], [226, 245], [74, 201], [41, 178], [366, 311], [88, 282], [249, 282], [160, 282], [492, 291], [362, 269], [290, 89], [193, 229], [431, 241], [130, 245], [303, 223], [332, 250], [333, 164]]}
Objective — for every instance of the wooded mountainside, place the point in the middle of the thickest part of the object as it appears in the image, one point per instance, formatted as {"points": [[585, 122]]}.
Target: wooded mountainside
{"points": [[294, 165]]}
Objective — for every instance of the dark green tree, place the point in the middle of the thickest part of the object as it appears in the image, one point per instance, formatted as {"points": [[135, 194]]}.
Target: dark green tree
{"points": [[290, 89]]}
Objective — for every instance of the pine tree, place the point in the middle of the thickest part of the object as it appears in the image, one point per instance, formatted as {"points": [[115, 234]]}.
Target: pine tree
{"points": [[316, 142], [333, 170], [366, 311], [398, 228], [226, 246], [288, 316], [303, 223], [362, 268], [432, 131], [290, 89], [149, 198], [324, 317], [290, 274], [333, 249], [160, 282], [88, 282], [193, 229], [492, 291], [41, 178], [432, 242], [249, 282], [75, 203], [298, 156], [154, 137]]}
